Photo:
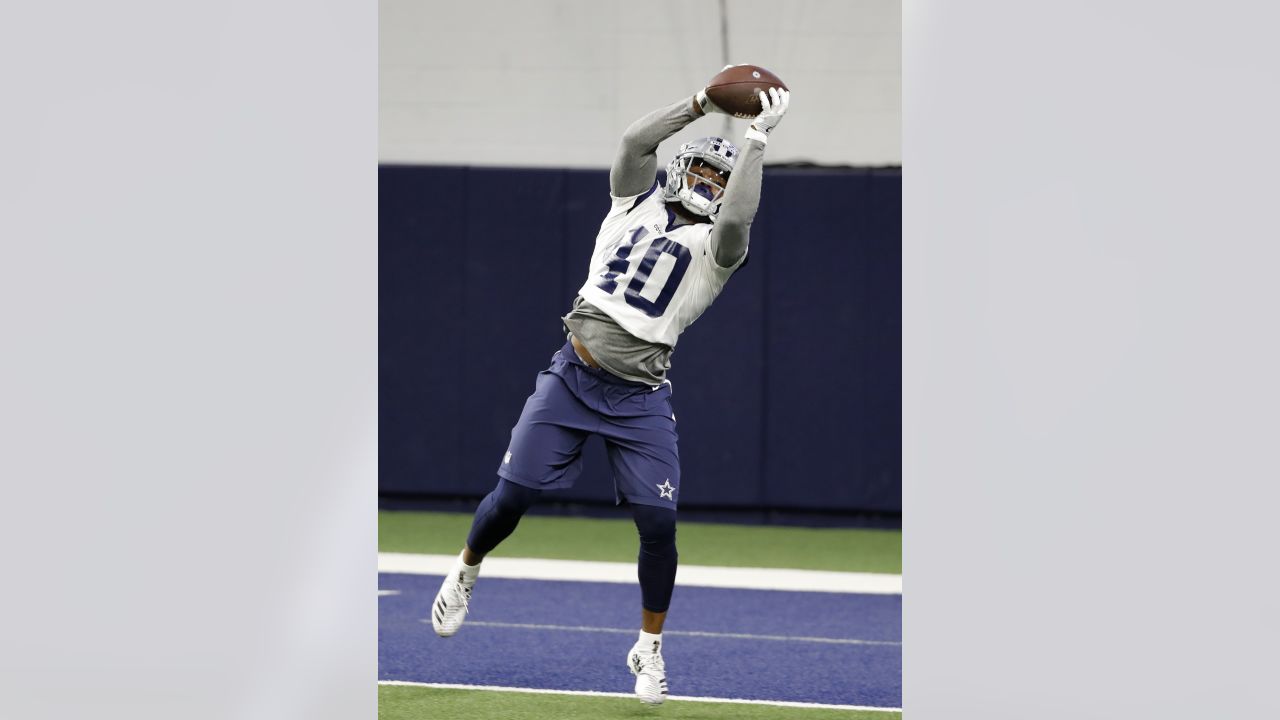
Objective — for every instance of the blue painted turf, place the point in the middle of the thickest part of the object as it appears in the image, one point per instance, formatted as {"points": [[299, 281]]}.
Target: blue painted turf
{"points": [[408, 649]]}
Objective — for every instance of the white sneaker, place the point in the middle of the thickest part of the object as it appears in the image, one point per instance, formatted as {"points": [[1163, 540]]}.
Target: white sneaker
{"points": [[450, 607], [651, 674]]}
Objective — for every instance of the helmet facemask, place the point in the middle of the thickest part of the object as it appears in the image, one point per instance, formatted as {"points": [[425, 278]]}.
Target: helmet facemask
{"points": [[688, 179], [700, 193]]}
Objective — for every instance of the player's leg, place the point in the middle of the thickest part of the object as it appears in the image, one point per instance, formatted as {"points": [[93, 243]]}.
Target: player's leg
{"points": [[495, 519], [656, 568], [656, 563], [545, 453], [646, 468]]}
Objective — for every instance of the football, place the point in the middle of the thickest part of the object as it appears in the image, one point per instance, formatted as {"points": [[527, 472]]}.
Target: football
{"points": [[736, 89]]}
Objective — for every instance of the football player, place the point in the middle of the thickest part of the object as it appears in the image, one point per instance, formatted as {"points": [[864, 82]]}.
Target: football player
{"points": [[663, 254]]}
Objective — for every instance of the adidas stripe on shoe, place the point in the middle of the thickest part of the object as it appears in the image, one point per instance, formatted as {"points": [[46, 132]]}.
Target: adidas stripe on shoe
{"points": [[651, 673], [454, 599]]}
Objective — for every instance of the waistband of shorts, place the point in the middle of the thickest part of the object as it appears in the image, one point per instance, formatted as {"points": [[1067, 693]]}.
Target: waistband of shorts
{"points": [[571, 356]]}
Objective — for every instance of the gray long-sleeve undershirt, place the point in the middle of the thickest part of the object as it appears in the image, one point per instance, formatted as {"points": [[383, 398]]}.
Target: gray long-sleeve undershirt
{"points": [[636, 167], [634, 171]]}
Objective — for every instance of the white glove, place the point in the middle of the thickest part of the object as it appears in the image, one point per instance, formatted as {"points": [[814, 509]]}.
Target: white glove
{"points": [[773, 106]]}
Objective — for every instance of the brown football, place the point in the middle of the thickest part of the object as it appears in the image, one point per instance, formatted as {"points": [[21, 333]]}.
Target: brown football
{"points": [[736, 89]]}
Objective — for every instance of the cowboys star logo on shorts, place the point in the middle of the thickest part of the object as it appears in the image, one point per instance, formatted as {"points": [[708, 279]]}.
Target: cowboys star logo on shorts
{"points": [[666, 490]]}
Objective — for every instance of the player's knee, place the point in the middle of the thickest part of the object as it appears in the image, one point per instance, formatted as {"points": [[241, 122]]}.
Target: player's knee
{"points": [[657, 526], [513, 498]]}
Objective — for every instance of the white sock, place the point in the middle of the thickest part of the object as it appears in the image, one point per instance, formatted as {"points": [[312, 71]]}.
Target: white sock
{"points": [[649, 642], [468, 571]]}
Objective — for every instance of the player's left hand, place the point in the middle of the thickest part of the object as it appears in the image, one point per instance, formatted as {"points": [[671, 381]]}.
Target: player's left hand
{"points": [[773, 106]]}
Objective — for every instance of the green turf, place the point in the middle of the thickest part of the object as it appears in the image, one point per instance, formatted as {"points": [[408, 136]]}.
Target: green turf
{"points": [[397, 702], [846, 549]]}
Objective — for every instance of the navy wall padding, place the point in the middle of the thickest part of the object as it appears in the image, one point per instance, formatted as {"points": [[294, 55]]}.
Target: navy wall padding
{"points": [[787, 391]]}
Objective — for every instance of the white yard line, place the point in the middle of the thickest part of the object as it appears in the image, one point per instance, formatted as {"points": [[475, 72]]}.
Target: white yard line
{"points": [[686, 633], [678, 698], [686, 575]]}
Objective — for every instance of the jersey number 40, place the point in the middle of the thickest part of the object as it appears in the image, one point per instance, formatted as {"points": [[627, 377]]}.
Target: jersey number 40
{"points": [[620, 271]]}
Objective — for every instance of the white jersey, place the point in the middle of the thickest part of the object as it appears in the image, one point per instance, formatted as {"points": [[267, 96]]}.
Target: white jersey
{"points": [[654, 278]]}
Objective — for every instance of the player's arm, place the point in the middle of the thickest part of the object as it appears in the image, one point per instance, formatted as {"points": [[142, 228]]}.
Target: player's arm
{"points": [[636, 166], [742, 194]]}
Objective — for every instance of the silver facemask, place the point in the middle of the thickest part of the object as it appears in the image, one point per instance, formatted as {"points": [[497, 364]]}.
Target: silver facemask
{"points": [[702, 196]]}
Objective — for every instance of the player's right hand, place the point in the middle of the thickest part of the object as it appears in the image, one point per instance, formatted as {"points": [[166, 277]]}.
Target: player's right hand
{"points": [[705, 103]]}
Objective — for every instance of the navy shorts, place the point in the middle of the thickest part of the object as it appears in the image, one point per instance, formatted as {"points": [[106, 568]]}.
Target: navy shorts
{"points": [[572, 401]]}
